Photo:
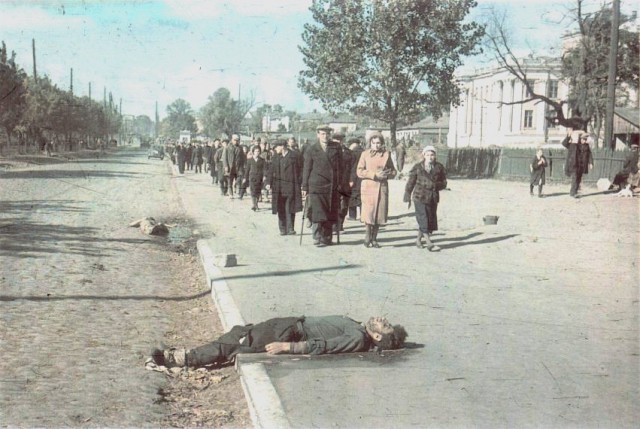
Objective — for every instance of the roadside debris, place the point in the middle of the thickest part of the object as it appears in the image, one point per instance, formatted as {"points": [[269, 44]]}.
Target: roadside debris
{"points": [[225, 260], [149, 226]]}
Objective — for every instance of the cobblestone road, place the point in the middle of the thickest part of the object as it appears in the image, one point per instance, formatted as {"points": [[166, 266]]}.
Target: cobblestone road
{"points": [[81, 293]]}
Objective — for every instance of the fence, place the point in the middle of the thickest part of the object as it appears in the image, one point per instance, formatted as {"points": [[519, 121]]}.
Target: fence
{"points": [[513, 164]]}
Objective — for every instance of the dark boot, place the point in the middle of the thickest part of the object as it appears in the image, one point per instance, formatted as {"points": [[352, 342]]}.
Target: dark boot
{"points": [[539, 191], [367, 236], [531, 190], [374, 236], [419, 244], [254, 202]]}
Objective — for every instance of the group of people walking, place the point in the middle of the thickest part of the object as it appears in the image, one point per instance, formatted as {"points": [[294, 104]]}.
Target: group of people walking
{"points": [[326, 181]]}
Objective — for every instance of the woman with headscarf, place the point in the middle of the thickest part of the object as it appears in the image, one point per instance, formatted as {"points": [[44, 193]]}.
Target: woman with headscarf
{"points": [[426, 180], [374, 168]]}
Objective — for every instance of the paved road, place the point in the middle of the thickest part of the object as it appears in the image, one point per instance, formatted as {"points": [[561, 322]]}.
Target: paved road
{"points": [[81, 293], [529, 323]]}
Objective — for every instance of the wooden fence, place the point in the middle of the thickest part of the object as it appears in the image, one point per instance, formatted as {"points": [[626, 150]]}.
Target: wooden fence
{"points": [[513, 164]]}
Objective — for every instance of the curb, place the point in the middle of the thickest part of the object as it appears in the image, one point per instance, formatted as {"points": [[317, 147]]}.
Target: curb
{"points": [[264, 403]]}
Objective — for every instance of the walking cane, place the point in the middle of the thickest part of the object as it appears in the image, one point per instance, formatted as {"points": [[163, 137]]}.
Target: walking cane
{"points": [[304, 212]]}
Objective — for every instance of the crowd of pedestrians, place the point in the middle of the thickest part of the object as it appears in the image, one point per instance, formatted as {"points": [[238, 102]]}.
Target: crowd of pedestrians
{"points": [[327, 181]]}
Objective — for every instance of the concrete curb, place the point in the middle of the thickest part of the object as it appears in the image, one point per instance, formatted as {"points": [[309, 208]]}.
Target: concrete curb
{"points": [[264, 403]]}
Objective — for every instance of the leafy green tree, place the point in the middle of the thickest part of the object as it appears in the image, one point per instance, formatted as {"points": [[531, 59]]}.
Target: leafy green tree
{"points": [[180, 117], [223, 114], [389, 60], [13, 90]]}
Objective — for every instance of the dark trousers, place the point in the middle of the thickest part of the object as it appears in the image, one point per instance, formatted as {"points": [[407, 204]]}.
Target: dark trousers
{"points": [[198, 168], [353, 212], [576, 179], [426, 215], [232, 180], [286, 216], [181, 166], [322, 231], [224, 185], [247, 339]]}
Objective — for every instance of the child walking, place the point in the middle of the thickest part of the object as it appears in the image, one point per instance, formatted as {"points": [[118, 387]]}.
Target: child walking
{"points": [[537, 167]]}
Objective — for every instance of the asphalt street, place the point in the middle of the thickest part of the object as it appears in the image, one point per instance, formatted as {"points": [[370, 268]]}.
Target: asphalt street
{"points": [[532, 322]]}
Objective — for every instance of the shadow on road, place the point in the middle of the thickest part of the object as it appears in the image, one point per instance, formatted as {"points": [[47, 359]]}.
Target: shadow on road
{"points": [[67, 174], [50, 298], [24, 239], [290, 273]]}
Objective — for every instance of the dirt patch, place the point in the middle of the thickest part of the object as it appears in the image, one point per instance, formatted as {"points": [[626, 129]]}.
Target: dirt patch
{"points": [[203, 397]]}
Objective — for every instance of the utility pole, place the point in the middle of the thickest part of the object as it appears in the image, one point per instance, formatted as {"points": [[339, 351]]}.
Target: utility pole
{"points": [[157, 121], [611, 86], [71, 82], [89, 91], [33, 50]]}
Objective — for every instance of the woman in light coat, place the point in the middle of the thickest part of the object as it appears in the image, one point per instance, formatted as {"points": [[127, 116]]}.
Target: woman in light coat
{"points": [[375, 167]]}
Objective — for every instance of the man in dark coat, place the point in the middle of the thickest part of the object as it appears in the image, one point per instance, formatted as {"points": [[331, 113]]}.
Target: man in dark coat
{"points": [[354, 180], [206, 155], [233, 160], [579, 159], [212, 162], [181, 157], [286, 199], [322, 179], [347, 165], [290, 335], [222, 178]]}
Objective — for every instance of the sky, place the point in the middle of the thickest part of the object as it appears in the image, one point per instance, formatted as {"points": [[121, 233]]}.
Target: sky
{"points": [[150, 51]]}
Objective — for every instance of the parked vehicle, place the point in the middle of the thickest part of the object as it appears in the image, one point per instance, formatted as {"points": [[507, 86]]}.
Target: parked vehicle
{"points": [[156, 152]]}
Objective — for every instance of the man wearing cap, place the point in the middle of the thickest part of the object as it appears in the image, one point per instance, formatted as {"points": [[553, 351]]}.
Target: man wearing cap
{"points": [[286, 200], [322, 179], [233, 160], [579, 159]]}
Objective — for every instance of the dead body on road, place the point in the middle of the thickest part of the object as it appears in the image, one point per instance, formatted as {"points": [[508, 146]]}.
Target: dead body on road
{"points": [[290, 335]]}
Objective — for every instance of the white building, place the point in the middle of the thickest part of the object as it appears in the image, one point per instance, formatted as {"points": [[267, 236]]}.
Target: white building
{"points": [[489, 113], [273, 124]]}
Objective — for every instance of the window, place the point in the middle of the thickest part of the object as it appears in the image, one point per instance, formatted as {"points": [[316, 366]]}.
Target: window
{"points": [[531, 83], [553, 89], [528, 118]]}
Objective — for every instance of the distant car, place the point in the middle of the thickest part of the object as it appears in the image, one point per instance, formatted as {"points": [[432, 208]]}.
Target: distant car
{"points": [[156, 152]]}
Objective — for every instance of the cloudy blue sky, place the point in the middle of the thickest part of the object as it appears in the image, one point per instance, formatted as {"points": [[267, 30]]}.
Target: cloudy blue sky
{"points": [[160, 50]]}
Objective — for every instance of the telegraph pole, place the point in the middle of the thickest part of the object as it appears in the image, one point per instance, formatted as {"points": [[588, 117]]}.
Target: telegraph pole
{"points": [[89, 90], [33, 50], [611, 86], [71, 82]]}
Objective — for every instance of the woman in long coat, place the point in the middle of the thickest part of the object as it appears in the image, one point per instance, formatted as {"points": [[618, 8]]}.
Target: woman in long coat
{"points": [[374, 168], [255, 174]]}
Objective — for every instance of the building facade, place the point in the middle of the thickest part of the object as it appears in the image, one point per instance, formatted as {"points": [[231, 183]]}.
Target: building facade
{"points": [[494, 110]]}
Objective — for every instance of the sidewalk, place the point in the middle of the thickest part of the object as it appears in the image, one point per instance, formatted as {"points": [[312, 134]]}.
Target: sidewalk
{"points": [[529, 323]]}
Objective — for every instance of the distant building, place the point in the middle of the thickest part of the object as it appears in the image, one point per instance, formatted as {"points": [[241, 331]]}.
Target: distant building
{"points": [[426, 131], [185, 136], [343, 124], [272, 124], [489, 113]]}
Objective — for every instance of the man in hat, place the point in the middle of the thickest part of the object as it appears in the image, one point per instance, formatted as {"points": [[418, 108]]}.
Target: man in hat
{"points": [[322, 181], [579, 159], [286, 199], [354, 180], [290, 335], [233, 160]]}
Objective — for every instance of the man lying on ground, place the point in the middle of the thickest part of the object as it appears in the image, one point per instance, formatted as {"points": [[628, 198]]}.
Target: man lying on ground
{"points": [[290, 335]]}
